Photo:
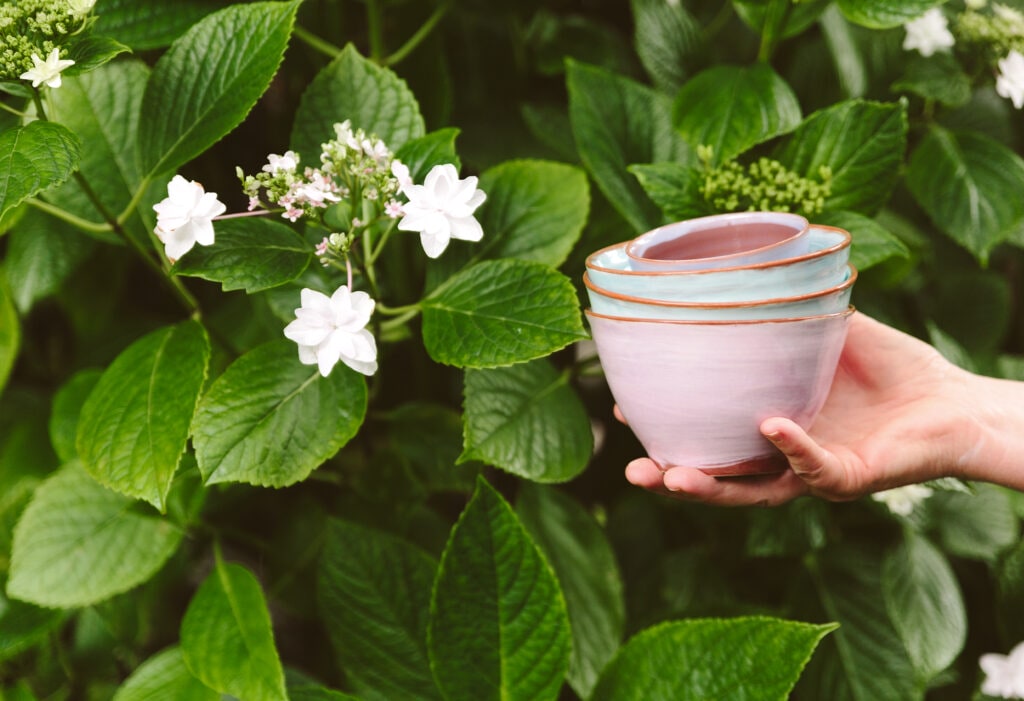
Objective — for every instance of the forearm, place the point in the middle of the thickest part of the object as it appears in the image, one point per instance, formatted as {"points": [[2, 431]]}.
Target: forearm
{"points": [[994, 445]]}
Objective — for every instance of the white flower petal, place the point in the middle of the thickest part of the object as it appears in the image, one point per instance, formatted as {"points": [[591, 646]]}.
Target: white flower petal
{"points": [[307, 355], [312, 299], [326, 359], [466, 229], [434, 243]]}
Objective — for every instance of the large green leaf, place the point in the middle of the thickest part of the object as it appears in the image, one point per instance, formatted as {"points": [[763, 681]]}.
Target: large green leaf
{"points": [[501, 312], [798, 16], [527, 420], [429, 437], [498, 625], [978, 526], [10, 332], [618, 122], [861, 142], [164, 676], [585, 564], [970, 186], [846, 53], [872, 243], [250, 255], [755, 658], [78, 543], [667, 40], [151, 24], [535, 210], [883, 14], [41, 255], [924, 602], [424, 152], [675, 188], [732, 108], [23, 625], [227, 640], [270, 421], [134, 426], [373, 592], [351, 87], [67, 408], [938, 77], [206, 83], [34, 158]]}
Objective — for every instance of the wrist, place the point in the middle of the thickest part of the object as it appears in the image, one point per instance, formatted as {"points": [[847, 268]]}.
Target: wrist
{"points": [[991, 446]]}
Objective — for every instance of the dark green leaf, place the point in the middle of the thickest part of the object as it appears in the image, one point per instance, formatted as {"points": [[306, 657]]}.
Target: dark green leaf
{"points": [[498, 624], [527, 420], [550, 126], [92, 52], [938, 77], [675, 188], [270, 421], [799, 16], [135, 424], [978, 526], [10, 332], [67, 407], [23, 626], [34, 158], [847, 55], [206, 83], [373, 592], [316, 693], [164, 676], [667, 40], [501, 312], [883, 14], [872, 242], [429, 436], [151, 24], [41, 254], [1010, 592], [424, 152]]}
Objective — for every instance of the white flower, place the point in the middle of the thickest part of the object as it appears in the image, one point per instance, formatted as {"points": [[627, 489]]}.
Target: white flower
{"points": [[903, 500], [329, 329], [80, 7], [928, 33], [185, 217], [275, 163], [47, 71], [401, 173], [1010, 82], [442, 209], [1004, 674], [1008, 14]]}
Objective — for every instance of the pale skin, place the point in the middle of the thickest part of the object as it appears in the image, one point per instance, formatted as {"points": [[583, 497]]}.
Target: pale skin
{"points": [[898, 413]]}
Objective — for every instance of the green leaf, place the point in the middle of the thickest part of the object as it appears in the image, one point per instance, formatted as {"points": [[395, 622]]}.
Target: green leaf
{"points": [[799, 16], [732, 108], [373, 592], [135, 424], [164, 676], [925, 604], [316, 693], [34, 158], [1010, 592], [22, 626], [845, 51], [151, 24], [585, 564], [351, 87], [884, 14], [248, 254], [501, 312], [10, 332], [429, 436], [711, 659], [938, 77], [978, 526], [424, 152], [872, 242], [67, 408], [92, 52], [206, 83], [498, 624], [675, 188], [987, 177], [792, 530], [861, 142], [549, 125], [41, 254], [226, 637], [270, 421], [667, 39], [527, 420], [535, 210], [78, 543], [617, 122]]}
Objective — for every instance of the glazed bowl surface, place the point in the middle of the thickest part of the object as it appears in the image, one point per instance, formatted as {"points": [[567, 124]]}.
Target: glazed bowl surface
{"points": [[695, 393], [823, 266]]}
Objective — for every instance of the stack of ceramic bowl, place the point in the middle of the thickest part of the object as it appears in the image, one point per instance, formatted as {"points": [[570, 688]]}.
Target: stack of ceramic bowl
{"points": [[706, 327]]}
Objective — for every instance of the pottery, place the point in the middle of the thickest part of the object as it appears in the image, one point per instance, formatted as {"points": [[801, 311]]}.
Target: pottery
{"points": [[695, 393], [823, 266], [720, 240], [826, 301]]}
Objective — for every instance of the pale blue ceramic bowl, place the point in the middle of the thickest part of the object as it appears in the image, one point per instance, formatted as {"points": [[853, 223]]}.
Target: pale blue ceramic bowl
{"points": [[828, 301], [823, 267]]}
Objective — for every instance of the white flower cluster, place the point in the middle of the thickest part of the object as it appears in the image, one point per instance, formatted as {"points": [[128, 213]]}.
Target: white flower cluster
{"points": [[297, 193], [185, 217], [47, 72], [903, 500], [1010, 81], [329, 329], [928, 33], [1004, 674]]}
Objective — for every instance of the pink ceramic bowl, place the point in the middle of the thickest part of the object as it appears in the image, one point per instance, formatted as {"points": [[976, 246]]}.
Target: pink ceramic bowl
{"points": [[695, 393]]}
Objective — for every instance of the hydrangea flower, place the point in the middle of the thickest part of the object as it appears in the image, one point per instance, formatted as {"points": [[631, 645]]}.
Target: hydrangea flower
{"points": [[47, 72], [442, 209], [185, 217], [329, 329], [928, 33], [903, 500], [80, 7], [287, 163], [1010, 82], [1004, 674]]}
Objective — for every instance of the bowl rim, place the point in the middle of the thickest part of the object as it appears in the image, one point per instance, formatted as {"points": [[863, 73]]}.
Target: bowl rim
{"points": [[844, 242], [849, 311], [701, 223], [647, 301]]}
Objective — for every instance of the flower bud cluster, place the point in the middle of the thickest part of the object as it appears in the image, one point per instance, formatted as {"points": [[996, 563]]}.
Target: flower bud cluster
{"points": [[763, 185], [298, 193], [37, 27], [998, 32]]}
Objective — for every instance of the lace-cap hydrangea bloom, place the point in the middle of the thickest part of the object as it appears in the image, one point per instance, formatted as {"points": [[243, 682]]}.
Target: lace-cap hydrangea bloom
{"points": [[329, 329], [442, 209], [1010, 82], [1004, 674], [46, 72], [185, 217], [287, 163], [903, 500], [928, 33], [81, 7]]}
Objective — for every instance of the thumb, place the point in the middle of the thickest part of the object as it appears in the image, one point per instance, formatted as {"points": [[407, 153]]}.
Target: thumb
{"points": [[812, 463]]}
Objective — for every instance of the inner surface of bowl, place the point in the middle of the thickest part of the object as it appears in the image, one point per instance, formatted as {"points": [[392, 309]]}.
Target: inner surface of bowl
{"points": [[695, 393], [720, 240]]}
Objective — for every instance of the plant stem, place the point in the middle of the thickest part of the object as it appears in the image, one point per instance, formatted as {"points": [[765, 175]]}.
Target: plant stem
{"points": [[422, 33], [7, 108], [315, 42], [140, 191], [375, 28], [63, 215], [398, 311], [400, 320], [380, 244]]}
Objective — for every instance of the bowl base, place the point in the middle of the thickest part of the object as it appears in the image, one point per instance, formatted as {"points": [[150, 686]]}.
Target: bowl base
{"points": [[767, 465]]}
